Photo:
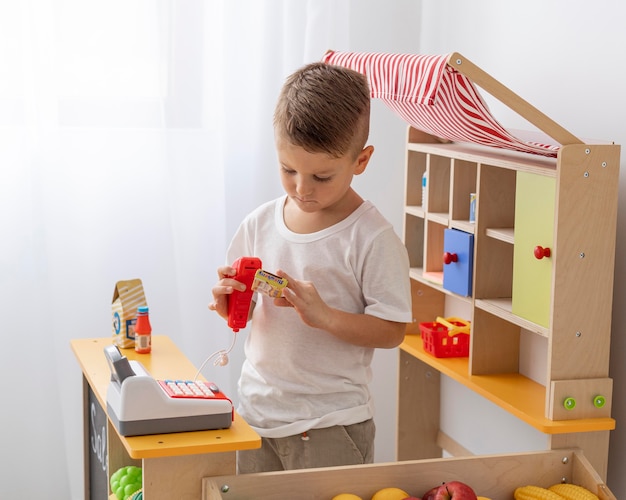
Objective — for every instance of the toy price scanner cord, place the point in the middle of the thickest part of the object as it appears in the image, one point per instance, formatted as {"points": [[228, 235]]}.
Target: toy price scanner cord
{"points": [[222, 357]]}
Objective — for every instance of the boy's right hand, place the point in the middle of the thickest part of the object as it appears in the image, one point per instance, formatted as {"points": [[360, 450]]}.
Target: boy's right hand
{"points": [[224, 287]]}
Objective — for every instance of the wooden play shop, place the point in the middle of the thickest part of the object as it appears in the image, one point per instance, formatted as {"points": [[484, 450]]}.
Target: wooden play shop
{"points": [[514, 229]]}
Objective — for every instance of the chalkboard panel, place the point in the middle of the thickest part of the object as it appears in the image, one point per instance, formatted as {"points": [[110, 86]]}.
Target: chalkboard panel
{"points": [[97, 456]]}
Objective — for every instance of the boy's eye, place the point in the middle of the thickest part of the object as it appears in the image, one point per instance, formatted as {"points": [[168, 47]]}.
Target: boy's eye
{"points": [[288, 171]]}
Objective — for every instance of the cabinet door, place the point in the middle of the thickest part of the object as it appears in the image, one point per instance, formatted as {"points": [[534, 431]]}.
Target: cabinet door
{"points": [[533, 252], [458, 248]]}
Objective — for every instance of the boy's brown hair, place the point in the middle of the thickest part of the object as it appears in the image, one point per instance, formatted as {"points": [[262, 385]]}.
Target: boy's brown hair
{"points": [[324, 109]]}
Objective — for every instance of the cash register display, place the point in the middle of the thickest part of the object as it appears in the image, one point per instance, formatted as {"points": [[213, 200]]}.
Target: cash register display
{"points": [[118, 364]]}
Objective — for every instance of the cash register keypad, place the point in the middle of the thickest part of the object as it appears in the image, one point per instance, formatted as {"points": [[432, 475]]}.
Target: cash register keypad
{"points": [[189, 389]]}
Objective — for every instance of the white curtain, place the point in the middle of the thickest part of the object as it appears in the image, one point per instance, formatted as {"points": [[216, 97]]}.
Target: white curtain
{"points": [[134, 136]]}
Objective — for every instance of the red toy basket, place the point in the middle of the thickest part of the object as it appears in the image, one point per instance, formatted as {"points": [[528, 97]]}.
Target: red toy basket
{"points": [[446, 338]]}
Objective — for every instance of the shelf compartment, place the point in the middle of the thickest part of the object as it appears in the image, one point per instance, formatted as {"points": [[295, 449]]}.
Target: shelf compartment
{"points": [[433, 248], [503, 308], [463, 183], [430, 303], [417, 274], [414, 238], [415, 211], [438, 185], [495, 345], [496, 196], [463, 225], [506, 234], [441, 218], [493, 271], [494, 232], [415, 168]]}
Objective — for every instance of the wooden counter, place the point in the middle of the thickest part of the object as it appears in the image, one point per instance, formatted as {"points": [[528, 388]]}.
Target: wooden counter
{"points": [[173, 464]]}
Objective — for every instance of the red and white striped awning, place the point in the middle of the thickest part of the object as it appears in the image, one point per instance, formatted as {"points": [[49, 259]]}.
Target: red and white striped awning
{"points": [[432, 96]]}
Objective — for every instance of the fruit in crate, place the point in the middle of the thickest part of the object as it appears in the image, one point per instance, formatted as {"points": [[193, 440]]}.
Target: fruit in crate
{"points": [[560, 491], [531, 492], [390, 494], [126, 481], [453, 490], [430, 494], [573, 492]]}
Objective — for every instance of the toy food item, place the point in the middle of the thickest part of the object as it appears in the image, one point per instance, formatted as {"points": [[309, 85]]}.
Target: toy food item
{"points": [[126, 481], [390, 494], [346, 496], [268, 284], [559, 491], [531, 492], [573, 492], [455, 490], [430, 494]]}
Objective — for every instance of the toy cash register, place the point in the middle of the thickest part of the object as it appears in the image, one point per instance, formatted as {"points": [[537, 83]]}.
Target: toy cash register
{"points": [[137, 404]]}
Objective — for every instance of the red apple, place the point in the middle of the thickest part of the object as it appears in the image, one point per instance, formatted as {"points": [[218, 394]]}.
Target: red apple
{"points": [[455, 490], [430, 494]]}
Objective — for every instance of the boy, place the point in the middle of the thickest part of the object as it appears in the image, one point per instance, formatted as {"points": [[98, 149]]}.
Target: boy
{"points": [[304, 383]]}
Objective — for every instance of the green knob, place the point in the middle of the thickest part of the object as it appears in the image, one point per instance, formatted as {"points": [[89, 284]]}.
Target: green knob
{"points": [[569, 403], [599, 401]]}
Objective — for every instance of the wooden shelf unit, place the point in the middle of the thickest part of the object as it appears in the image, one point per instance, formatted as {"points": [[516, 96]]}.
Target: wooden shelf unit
{"points": [[567, 204]]}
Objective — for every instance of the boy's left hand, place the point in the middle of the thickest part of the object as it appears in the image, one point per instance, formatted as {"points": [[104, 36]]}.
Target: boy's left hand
{"points": [[304, 298], [359, 329]]}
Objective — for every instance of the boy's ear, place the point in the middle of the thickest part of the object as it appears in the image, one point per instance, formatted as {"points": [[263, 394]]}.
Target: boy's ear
{"points": [[363, 159]]}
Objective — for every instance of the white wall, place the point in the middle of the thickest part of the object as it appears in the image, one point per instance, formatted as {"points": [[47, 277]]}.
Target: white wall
{"points": [[564, 58]]}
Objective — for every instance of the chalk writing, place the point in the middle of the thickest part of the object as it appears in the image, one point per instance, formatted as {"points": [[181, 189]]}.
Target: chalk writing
{"points": [[98, 441]]}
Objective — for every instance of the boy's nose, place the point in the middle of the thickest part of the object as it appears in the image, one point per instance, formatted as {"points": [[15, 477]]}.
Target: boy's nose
{"points": [[303, 188]]}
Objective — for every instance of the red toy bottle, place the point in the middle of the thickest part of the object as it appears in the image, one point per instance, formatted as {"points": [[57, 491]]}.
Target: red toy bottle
{"points": [[143, 331]]}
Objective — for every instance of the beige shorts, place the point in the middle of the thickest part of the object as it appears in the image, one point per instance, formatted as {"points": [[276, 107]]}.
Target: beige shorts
{"points": [[337, 445]]}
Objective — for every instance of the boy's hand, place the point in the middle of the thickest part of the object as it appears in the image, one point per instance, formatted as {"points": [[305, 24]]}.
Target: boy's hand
{"points": [[358, 329], [304, 298], [224, 287]]}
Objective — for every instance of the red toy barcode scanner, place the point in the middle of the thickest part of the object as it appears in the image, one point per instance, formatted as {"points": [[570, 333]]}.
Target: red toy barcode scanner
{"points": [[239, 302]]}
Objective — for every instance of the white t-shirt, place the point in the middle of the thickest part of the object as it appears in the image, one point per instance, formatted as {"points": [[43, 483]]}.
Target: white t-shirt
{"points": [[295, 377]]}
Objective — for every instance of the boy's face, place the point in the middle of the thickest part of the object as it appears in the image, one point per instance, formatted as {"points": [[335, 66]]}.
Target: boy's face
{"points": [[317, 181]]}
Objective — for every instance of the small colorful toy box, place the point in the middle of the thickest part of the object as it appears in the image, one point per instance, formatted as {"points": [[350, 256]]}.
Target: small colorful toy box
{"points": [[446, 338], [268, 284], [127, 297]]}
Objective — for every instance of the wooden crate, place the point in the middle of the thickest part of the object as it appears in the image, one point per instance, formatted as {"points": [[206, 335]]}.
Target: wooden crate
{"points": [[492, 476]]}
